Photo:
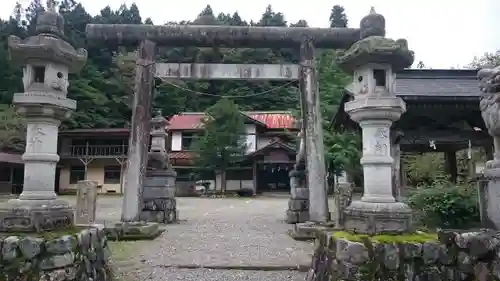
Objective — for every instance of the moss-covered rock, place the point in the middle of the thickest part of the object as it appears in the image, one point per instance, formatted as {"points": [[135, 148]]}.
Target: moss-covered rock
{"points": [[417, 256], [417, 237], [79, 253]]}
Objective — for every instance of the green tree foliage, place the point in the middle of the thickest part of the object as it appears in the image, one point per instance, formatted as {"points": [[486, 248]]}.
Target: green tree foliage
{"points": [[338, 17], [104, 88], [489, 59], [223, 141], [12, 128]]}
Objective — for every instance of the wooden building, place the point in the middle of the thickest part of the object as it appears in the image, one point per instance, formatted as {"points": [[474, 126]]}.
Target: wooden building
{"points": [[442, 113]]}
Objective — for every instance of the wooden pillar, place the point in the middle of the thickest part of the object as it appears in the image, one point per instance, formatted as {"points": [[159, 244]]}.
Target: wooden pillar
{"points": [[139, 132], [450, 158], [311, 116], [488, 149], [254, 177]]}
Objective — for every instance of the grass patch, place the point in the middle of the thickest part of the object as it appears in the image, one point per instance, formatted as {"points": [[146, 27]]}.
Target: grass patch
{"points": [[125, 259], [417, 237], [47, 235], [124, 250]]}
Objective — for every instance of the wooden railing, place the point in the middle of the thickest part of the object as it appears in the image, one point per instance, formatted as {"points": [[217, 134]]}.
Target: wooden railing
{"points": [[94, 151]]}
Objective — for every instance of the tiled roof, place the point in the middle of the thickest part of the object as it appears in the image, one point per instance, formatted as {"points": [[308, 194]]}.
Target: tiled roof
{"points": [[96, 130], [437, 83], [276, 143], [272, 120]]}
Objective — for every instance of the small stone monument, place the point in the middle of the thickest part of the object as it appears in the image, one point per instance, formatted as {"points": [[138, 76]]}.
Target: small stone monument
{"points": [[489, 105], [298, 204], [373, 62], [47, 61], [159, 184], [342, 198], [86, 199]]}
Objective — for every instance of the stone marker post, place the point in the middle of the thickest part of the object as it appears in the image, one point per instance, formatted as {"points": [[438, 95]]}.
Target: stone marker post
{"points": [[373, 62], [342, 198], [298, 204], [489, 104], [86, 200], [47, 61]]}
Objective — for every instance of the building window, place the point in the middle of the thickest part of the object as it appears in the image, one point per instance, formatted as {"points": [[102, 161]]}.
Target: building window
{"points": [[76, 174], [187, 140], [112, 174]]}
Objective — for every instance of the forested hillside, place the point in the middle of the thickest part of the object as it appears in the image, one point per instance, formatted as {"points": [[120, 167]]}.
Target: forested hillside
{"points": [[105, 85]]}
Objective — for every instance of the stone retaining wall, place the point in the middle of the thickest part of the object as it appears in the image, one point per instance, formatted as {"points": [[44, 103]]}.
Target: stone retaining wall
{"points": [[473, 256], [83, 256]]}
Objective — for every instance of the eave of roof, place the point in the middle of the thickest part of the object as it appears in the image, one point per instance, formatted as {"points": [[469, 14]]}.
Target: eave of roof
{"points": [[429, 85]]}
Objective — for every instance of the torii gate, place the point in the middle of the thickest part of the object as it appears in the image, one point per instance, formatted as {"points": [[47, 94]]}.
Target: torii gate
{"points": [[305, 39]]}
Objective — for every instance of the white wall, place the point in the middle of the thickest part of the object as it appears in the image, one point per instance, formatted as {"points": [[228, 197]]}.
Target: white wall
{"points": [[251, 137], [263, 141], [176, 141]]}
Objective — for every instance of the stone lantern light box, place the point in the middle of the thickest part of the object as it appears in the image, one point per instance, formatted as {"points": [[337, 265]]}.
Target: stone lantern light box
{"points": [[373, 78], [38, 75]]}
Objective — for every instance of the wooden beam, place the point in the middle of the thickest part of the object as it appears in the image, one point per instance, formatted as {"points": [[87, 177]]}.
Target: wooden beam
{"points": [[202, 71]]}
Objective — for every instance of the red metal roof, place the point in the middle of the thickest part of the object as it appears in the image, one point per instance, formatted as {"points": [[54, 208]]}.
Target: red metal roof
{"points": [[272, 120], [180, 155], [191, 121]]}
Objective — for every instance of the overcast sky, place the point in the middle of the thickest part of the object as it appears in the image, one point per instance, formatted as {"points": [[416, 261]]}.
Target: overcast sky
{"points": [[443, 33]]}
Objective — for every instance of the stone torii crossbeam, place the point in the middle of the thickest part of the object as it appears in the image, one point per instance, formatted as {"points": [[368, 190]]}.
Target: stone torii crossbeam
{"points": [[304, 39]]}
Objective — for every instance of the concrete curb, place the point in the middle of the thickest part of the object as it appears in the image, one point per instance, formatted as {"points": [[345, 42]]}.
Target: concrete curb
{"points": [[300, 268]]}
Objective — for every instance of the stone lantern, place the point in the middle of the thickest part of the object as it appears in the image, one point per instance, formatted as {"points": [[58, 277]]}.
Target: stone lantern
{"points": [[47, 60], [159, 183], [373, 62]]}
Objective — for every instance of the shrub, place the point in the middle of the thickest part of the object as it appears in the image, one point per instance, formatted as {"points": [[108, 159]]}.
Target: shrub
{"points": [[445, 206], [245, 192]]}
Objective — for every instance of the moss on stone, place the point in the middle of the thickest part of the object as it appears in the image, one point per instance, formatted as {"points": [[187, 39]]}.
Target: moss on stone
{"points": [[46, 235], [417, 237]]}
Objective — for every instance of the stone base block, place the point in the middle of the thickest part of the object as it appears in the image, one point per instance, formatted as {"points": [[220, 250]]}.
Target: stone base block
{"points": [[309, 230], [378, 218], [296, 216], [166, 217], [17, 215], [133, 231], [299, 193], [298, 204], [162, 210]]}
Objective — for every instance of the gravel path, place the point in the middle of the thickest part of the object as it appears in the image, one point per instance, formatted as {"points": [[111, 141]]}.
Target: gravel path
{"points": [[230, 232], [171, 274], [226, 233]]}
